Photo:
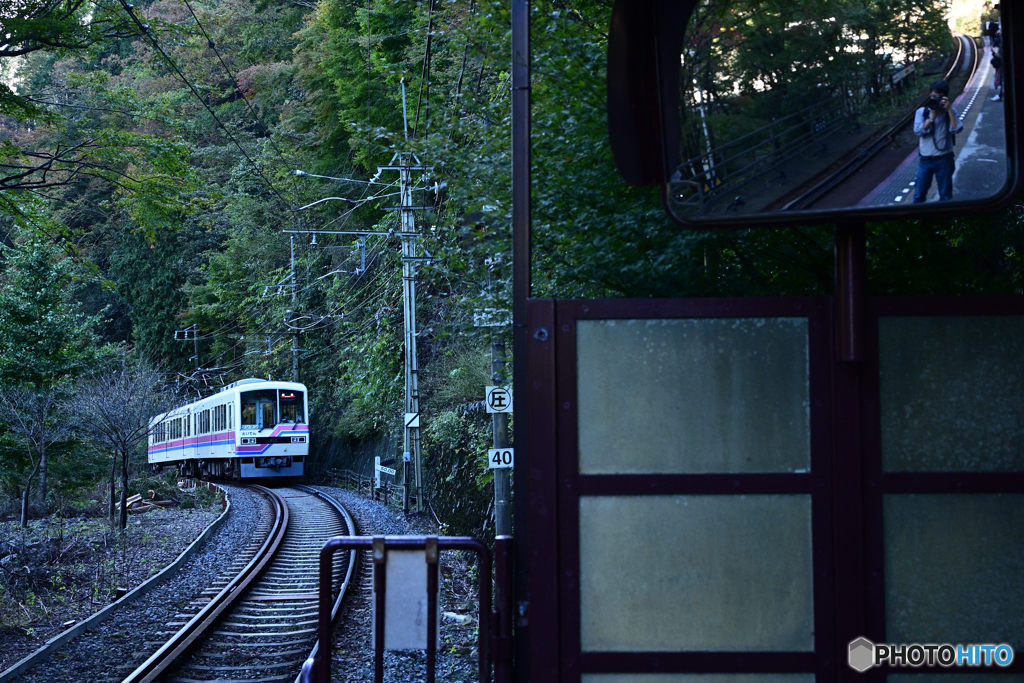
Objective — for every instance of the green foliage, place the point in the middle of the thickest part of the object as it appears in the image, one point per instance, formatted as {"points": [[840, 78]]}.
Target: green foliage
{"points": [[45, 339], [178, 217], [457, 447]]}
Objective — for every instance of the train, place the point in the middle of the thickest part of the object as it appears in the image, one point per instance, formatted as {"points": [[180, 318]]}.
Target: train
{"points": [[251, 429]]}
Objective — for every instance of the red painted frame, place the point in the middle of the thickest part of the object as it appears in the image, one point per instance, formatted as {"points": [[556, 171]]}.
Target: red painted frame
{"points": [[845, 483]]}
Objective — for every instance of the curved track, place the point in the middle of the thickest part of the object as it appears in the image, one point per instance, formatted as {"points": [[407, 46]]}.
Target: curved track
{"points": [[967, 57], [260, 625]]}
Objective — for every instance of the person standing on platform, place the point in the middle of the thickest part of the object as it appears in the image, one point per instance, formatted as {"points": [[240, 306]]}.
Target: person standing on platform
{"points": [[936, 125], [997, 84]]}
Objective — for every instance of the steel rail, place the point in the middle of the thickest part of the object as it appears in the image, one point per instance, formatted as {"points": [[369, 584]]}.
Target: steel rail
{"points": [[848, 169], [160, 660], [342, 589]]}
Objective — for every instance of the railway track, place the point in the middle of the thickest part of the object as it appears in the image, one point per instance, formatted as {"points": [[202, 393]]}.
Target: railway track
{"points": [[257, 621], [967, 57]]}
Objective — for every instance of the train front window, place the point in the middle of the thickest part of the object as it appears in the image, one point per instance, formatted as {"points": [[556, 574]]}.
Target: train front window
{"points": [[268, 415], [259, 409], [291, 406]]}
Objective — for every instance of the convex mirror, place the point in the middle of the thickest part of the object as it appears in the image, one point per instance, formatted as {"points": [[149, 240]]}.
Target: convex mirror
{"points": [[750, 112]]}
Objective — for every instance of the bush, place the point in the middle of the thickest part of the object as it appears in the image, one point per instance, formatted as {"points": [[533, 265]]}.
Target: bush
{"points": [[165, 486]]}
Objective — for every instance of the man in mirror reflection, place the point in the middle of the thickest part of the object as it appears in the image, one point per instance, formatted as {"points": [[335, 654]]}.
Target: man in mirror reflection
{"points": [[936, 124], [997, 84]]}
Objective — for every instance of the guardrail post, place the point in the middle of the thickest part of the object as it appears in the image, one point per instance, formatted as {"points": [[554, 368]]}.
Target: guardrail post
{"points": [[379, 587], [432, 558]]}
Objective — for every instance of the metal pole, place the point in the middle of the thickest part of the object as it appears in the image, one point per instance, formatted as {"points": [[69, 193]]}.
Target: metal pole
{"points": [[499, 423], [521, 281], [851, 284], [502, 656], [295, 335], [411, 435]]}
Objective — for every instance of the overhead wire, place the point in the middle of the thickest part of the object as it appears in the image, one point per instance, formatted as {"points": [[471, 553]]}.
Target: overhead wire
{"points": [[234, 79], [144, 28], [366, 283]]}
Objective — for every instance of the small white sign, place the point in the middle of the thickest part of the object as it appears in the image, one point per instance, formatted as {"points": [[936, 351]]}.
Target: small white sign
{"points": [[385, 470], [405, 601], [499, 400], [412, 420], [498, 458]]}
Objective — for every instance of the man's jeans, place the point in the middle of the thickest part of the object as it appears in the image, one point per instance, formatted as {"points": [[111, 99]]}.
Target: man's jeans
{"points": [[940, 167]]}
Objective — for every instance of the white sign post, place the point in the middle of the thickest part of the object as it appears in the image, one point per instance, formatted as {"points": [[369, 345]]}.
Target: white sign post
{"points": [[378, 468]]}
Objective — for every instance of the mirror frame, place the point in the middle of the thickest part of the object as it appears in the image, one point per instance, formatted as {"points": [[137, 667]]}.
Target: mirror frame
{"points": [[644, 42]]}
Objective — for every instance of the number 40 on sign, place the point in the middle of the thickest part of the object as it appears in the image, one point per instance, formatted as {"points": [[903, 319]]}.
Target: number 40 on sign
{"points": [[499, 457]]}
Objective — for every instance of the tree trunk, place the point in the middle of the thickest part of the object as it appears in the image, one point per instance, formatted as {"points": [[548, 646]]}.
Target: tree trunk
{"points": [[42, 477], [113, 470], [123, 521], [25, 496], [24, 507]]}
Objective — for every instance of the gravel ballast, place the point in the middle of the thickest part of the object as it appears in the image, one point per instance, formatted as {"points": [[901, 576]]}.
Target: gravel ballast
{"points": [[135, 630], [352, 653], [123, 641]]}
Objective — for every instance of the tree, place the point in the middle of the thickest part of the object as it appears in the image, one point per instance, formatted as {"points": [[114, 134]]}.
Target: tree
{"points": [[57, 25], [114, 411], [38, 417], [45, 339]]}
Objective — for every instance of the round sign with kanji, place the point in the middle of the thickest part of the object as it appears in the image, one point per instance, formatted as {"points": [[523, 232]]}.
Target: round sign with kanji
{"points": [[499, 400]]}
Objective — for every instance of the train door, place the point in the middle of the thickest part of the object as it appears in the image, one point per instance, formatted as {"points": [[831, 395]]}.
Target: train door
{"points": [[192, 450]]}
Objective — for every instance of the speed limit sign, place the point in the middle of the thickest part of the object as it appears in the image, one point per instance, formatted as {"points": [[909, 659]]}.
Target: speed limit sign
{"points": [[499, 457]]}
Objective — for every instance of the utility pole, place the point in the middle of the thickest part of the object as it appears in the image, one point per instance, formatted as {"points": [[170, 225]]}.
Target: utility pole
{"points": [[411, 436], [499, 423], [194, 329], [295, 333], [405, 163]]}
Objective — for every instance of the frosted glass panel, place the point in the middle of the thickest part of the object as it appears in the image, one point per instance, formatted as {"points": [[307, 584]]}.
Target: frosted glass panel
{"points": [[664, 573], [952, 390], [954, 568], [699, 678], [708, 395]]}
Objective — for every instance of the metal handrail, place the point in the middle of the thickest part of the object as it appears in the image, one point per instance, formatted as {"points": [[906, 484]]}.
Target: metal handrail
{"points": [[781, 144], [317, 669]]}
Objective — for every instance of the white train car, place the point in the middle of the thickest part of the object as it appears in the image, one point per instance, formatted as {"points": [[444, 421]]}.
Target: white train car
{"points": [[251, 429]]}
